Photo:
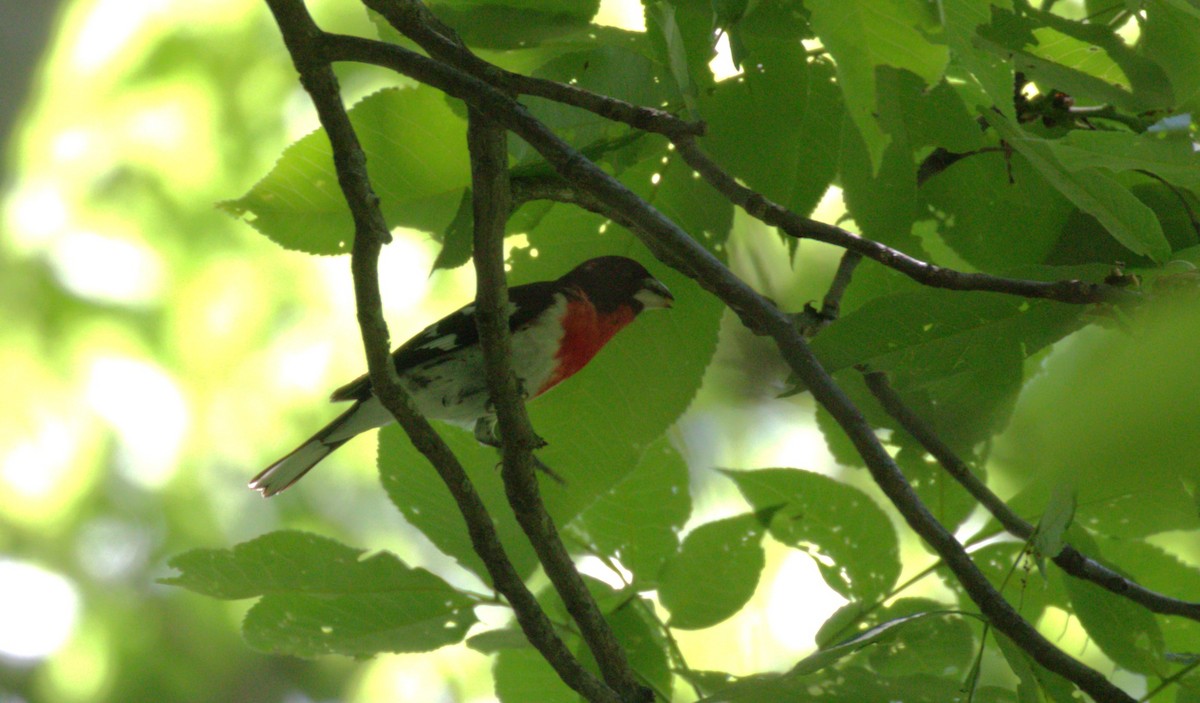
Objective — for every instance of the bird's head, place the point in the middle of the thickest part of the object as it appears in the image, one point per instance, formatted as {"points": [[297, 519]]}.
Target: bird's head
{"points": [[612, 281]]}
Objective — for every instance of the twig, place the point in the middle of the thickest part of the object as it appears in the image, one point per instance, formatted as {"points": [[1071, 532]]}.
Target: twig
{"points": [[810, 321], [490, 188], [301, 36], [770, 213], [675, 248], [414, 20], [1069, 560]]}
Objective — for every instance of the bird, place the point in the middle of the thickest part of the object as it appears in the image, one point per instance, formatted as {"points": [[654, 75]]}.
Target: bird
{"points": [[556, 328]]}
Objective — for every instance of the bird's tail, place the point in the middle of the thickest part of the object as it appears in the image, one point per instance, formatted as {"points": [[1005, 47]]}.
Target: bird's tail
{"points": [[292, 467]]}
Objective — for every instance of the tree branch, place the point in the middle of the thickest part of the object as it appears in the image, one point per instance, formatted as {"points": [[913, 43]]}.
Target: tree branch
{"points": [[302, 36], [490, 188], [675, 248], [788, 222], [414, 20], [1069, 560]]}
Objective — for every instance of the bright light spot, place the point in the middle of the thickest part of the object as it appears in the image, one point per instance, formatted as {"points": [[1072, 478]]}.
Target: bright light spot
{"points": [[146, 409], [35, 466], [722, 64], [71, 145], [621, 13], [597, 569], [37, 610], [799, 602], [303, 368], [110, 549], [106, 269], [36, 212], [832, 206], [108, 29], [163, 126], [404, 267]]}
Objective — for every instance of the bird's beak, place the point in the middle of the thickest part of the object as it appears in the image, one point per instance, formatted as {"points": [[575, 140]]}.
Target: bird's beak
{"points": [[654, 294]]}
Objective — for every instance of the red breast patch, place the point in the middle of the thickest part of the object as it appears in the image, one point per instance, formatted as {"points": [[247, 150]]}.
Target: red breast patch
{"points": [[585, 332]]}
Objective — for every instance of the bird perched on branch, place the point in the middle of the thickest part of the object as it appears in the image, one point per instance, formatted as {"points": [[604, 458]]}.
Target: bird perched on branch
{"points": [[556, 326]]}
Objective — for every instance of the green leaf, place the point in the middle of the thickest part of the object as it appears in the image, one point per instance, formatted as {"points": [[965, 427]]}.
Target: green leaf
{"points": [[1033, 677], [1124, 630], [879, 634], [1161, 570], [1093, 191], [458, 241], [494, 641], [842, 685], [1049, 537], [926, 335], [524, 675], [639, 519], [521, 675], [858, 557], [416, 157], [1172, 158], [962, 20], [682, 34], [714, 573], [514, 24], [322, 597], [620, 71], [965, 197], [1110, 416], [786, 107], [862, 35], [1171, 37]]}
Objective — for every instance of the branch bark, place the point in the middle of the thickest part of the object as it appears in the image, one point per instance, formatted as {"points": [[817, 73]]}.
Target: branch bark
{"points": [[1069, 560], [491, 201], [302, 38], [675, 248]]}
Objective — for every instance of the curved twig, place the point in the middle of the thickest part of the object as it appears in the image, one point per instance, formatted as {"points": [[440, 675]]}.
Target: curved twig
{"points": [[491, 200], [302, 36], [1069, 560]]}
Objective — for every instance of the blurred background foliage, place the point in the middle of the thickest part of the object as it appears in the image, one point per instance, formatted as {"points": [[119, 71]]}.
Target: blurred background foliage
{"points": [[156, 353]]}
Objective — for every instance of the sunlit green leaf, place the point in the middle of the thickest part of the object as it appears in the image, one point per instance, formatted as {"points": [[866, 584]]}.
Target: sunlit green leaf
{"points": [[864, 34], [858, 556], [714, 573], [416, 157], [322, 597], [639, 519]]}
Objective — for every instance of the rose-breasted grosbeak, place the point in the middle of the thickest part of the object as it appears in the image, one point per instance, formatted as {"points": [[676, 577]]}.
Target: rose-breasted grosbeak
{"points": [[557, 327]]}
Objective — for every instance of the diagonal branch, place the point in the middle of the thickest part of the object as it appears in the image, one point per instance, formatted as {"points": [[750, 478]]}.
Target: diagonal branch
{"points": [[674, 247], [792, 224], [414, 20], [1070, 559], [301, 36], [490, 188]]}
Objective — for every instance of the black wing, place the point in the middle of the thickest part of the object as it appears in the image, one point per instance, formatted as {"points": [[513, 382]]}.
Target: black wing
{"points": [[453, 332]]}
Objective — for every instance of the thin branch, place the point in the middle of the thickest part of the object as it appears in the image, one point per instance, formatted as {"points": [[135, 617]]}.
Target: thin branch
{"points": [[770, 213], [302, 36], [1069, 560], [490, 188], [677, 249], [810, 321], [414, 20]]}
